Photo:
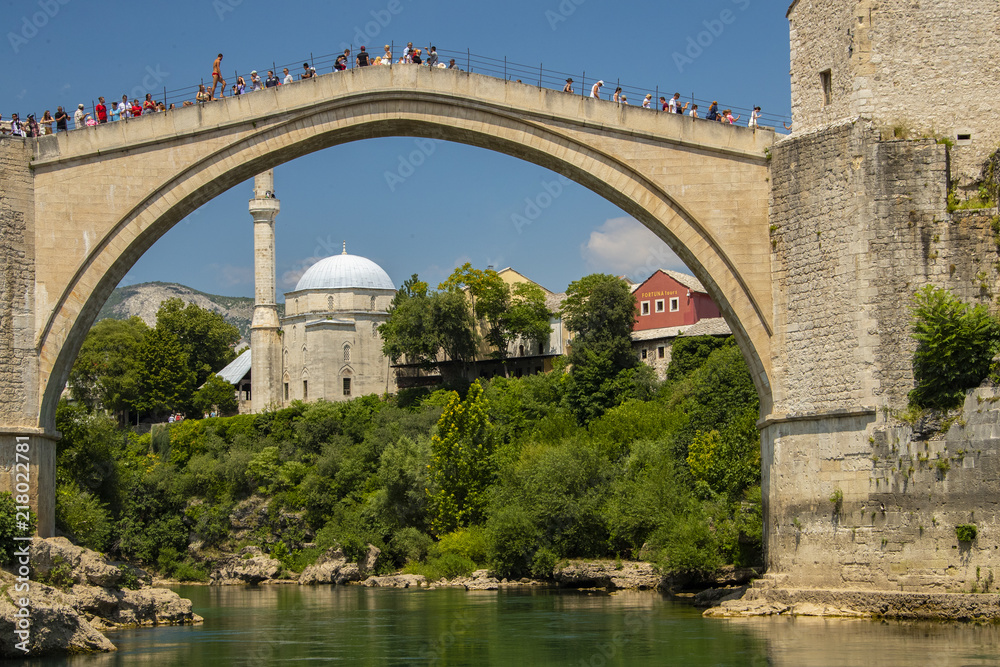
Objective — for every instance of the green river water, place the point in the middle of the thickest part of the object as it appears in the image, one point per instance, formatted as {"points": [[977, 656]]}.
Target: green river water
{"points": [[352, 625]]}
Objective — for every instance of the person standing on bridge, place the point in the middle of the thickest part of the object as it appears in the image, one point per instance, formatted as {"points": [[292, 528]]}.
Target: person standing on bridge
{"points": [[595, 92], [432, 57], [80, 117], [754, 115], [617, 97], [694, 111], [647, 101], [217, 77], [288, 77], [713, 111], [271, 81], [255, 83], [62, 118], [362, 59], [568, 88], [102, 111]]}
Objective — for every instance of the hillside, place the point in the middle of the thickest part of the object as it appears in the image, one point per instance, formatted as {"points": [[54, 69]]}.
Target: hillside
{"points": [[144, 299]]}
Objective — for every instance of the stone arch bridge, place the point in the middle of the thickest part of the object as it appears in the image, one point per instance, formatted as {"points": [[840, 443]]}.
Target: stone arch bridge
{"points": [[808, 246], [94, 200]]}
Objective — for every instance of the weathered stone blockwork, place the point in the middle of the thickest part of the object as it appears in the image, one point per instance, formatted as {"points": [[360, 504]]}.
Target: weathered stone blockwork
{"points": [[18, 362], [927, 65], [858, 225]]}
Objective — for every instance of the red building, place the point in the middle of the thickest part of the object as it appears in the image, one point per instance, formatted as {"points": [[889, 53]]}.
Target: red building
{"points": [[671, 299]]}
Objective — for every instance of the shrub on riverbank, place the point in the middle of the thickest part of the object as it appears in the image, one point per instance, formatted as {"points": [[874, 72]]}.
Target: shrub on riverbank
{"points": [[515, 482]]}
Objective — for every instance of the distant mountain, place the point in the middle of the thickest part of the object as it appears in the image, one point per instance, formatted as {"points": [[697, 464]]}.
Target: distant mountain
{"points": [[144, 299]]}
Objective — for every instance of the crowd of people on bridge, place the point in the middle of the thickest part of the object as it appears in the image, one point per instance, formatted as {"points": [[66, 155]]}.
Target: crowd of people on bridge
{"points": [[122, 110]]}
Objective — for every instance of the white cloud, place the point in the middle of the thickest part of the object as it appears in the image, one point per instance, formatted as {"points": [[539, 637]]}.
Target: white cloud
{"points": [[623, 246], [230, 275], [290, 278]]}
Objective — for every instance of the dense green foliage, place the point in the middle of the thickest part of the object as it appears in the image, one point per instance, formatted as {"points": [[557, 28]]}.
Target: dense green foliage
{"points": [[126, 367], [600, 311], [9, 528], [422, 323], [956, 344], [510, 476]]}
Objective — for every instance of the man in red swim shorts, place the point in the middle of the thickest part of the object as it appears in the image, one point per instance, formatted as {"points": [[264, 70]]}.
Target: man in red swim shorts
{"points": [[217, 77]]}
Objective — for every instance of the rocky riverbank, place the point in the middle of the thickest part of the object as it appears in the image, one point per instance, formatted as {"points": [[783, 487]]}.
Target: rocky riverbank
{"points": [[75, 594], [766, 597]]}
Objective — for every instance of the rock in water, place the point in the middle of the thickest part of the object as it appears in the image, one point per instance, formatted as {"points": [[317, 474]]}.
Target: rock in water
{"points": [[70, 619], [251, 567]]}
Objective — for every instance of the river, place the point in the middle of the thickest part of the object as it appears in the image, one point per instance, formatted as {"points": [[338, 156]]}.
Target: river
{"points": [[353, 625]]}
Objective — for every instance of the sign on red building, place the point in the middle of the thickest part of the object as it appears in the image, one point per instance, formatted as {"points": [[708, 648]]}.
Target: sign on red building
{"points": [[671, 299]]}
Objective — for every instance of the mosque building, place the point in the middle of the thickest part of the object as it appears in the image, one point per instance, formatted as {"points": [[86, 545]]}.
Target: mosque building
{"points": [[327, 344]]}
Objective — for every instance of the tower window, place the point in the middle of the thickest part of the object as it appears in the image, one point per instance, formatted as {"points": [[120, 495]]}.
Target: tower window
{"points": [[659, 352], [305, 390], [643, 353], [373, 303], [347, 386], [659, 305], [347, 353], [675, 304], [826, 83], [286, 391], [645, 308]]}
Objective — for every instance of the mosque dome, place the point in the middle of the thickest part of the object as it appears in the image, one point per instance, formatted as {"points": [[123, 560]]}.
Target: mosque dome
{"points": [[345, 272]]}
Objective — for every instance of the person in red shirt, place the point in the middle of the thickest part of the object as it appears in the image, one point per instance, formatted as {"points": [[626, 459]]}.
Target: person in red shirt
{"points": [[102, 111], [136, 109], [149, 105]]}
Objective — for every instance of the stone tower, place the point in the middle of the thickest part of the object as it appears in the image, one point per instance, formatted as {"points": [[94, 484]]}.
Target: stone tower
{"points": [[856, 496], [265, 330], [917, 69]]}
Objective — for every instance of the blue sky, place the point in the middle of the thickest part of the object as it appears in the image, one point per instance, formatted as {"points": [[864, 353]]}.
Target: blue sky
{"points": [[458, 205]]}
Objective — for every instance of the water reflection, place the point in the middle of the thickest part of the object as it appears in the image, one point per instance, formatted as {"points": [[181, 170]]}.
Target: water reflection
{"points": [[360, 626]]}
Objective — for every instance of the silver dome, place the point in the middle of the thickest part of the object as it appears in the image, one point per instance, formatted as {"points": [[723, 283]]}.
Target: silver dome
{"points": [[345, 272]]}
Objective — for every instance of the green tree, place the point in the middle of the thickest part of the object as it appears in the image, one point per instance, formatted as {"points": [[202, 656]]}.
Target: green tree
{"points": [[453, 325], [600, 310], [410, 332], [106, 372], [206, 338], [166, 381], [216, 394], [506, 313], [462, 467], [956, 343]]}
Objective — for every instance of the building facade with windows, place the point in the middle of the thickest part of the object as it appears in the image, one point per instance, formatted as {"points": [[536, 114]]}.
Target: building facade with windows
{"points": [[330, 344], [671, 299], [669, 305]]}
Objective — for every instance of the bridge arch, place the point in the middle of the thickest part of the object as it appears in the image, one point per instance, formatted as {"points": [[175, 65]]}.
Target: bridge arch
{"points": [[623, 155]]}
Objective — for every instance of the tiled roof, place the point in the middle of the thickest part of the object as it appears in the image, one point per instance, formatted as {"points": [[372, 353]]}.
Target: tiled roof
{"points": [[656, 334], [690, 282], [712, 326]]}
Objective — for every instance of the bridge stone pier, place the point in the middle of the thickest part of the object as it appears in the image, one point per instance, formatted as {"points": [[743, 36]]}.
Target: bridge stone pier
{"points": [[811, 246]]}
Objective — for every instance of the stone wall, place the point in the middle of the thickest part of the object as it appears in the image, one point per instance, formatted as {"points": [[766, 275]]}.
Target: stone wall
{"points": [[928, 66], [18, 374], [858, 224]]}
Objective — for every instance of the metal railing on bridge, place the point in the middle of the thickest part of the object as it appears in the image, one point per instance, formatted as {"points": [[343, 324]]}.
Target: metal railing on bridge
{"points": [[467, 61]]}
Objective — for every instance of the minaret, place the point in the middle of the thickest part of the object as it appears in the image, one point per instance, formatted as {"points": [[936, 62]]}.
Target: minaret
{"points": [[265, 330]]}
